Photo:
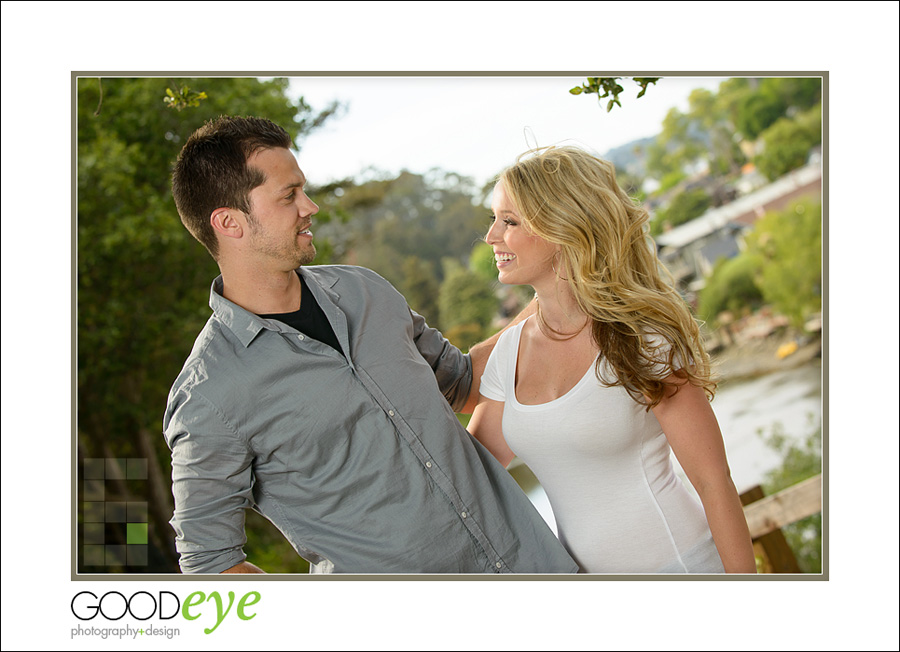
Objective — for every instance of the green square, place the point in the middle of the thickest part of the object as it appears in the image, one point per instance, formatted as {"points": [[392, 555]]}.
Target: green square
{"points": [[136, 533]]}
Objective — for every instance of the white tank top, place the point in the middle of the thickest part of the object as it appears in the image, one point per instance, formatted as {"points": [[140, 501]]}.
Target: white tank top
{"points": [[606, 467]]}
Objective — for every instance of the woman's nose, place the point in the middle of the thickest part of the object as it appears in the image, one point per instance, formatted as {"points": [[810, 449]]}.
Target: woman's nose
{"points": [[493, 233]]}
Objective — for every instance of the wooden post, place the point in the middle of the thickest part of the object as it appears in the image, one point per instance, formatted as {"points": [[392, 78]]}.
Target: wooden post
{"points": [[777, 554]]}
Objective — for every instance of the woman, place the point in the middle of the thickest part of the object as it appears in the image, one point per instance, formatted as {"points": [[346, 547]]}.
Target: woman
{"points": [[608, 376]]}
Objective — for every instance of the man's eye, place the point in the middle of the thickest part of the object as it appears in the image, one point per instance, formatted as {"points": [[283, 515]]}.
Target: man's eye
{"points": [[290, 196]]}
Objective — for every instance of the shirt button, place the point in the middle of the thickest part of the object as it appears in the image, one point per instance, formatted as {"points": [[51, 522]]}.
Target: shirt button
{"points": [[464, 515], [301, 337], [427, 465], [499, 565], [391, 412]]}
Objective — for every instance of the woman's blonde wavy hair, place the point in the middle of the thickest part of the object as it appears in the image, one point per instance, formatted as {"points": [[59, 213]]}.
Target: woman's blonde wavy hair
{"points": [[571, 199]]}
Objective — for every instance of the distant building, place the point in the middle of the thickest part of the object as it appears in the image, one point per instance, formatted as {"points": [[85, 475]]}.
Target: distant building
{"points": [[690, 250]]}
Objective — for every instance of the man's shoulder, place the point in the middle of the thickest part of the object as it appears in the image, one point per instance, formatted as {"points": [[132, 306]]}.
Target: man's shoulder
{"points": [[332, 273], [207, 377], [359, 285], [213, 350]]}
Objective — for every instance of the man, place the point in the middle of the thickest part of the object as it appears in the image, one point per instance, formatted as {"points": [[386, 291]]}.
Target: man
{"points": [[316, 396]]}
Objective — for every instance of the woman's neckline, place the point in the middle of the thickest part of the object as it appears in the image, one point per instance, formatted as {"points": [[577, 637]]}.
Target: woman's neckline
{"points": [[581, 381]]}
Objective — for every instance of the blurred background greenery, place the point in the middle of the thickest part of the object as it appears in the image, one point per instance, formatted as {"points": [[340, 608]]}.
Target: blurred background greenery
{"points": [[143, 282]]}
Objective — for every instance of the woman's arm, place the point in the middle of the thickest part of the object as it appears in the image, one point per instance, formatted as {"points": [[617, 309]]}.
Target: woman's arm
{"points": [[691, 428], [486, 426]]}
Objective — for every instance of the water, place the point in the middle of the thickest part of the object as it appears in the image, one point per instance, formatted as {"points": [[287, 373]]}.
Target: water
{"points": [[791, 398]]}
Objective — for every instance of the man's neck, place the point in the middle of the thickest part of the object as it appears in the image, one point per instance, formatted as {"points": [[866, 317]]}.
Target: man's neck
{"points": [[263, 294]]}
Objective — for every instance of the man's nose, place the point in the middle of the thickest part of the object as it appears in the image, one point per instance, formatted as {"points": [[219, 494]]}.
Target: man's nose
{"points": [[308, 206]]}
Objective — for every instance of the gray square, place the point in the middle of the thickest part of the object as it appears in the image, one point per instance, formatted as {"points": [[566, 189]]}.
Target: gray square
{"points": [[136, 468], [94, 490], [94, 512], [115, 555], [94, 532], [137, 555], [115, 467], [115, 512], [137, 512], [94, 468], [93, 555]]}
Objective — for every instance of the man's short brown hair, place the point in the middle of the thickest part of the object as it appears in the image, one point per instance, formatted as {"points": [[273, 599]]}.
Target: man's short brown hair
{"points": [[212, 172]]}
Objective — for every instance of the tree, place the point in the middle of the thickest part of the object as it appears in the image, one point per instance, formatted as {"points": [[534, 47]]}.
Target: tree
{"points": [[143, 281], [483, 263], [684, 207], [704, 133], [679, 144], [730, 287], [756, 104], [787, 143], [788, 246], [716, 123], [467, 305], [420, 287], [404, 227], [605, 87], [709, 113], [800, 461], [757, 112], [798, 93]]}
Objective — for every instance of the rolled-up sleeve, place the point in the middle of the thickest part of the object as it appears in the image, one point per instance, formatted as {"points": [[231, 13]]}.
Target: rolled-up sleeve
{"points": [[452, 368], [212, 481]]}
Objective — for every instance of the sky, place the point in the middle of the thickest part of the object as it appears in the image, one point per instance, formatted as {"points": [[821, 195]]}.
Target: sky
{"points": [[43, 43], [472, 125]]}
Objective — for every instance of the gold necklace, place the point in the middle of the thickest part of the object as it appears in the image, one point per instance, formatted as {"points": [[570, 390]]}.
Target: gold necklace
{"points": [[559, 336]]}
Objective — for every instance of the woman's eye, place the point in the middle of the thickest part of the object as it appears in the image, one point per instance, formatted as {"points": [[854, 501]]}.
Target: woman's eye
{"points": [[509, 222]]}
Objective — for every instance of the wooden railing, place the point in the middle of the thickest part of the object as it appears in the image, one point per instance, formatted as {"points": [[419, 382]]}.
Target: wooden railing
{"points": [[766, 515]]}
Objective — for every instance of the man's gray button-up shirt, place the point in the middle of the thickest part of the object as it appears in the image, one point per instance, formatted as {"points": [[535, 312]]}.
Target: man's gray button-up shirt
{"points": [[358, 459]]}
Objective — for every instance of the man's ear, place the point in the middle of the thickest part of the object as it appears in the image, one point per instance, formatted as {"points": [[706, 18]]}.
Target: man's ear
{"points": [[225, 222]]}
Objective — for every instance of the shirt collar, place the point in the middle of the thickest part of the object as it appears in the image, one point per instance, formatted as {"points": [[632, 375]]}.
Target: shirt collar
{"points": [[246, 325]]}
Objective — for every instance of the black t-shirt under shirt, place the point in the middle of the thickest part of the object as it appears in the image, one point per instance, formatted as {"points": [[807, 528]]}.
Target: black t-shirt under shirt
{"points": [[309, 319]]}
